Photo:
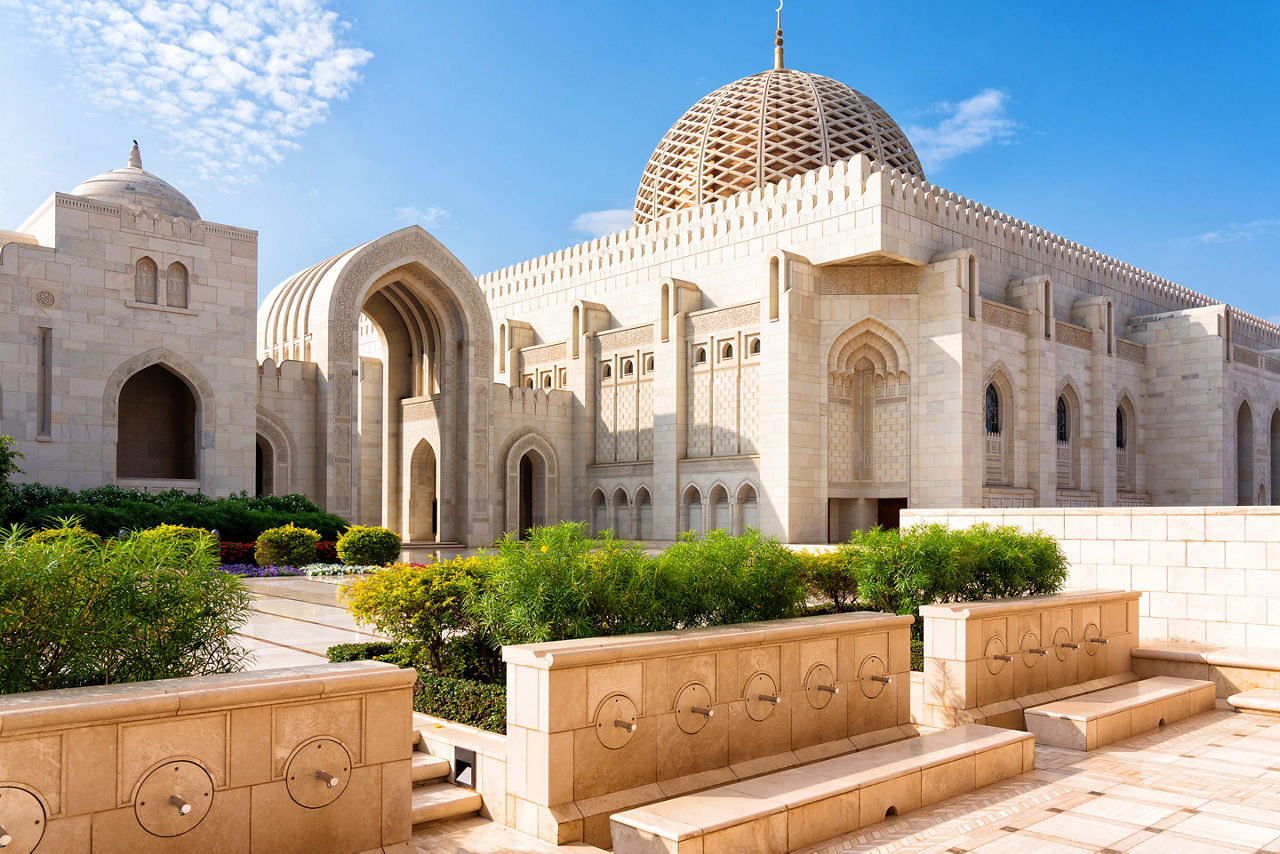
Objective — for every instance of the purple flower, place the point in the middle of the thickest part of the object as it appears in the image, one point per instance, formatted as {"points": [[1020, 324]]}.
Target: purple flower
{"points": [[249, 570]]}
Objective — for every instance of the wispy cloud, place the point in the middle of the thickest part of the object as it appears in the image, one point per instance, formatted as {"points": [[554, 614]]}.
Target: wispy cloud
{"points": [[1237, 232], [231, 85], [425, 218], [600, 223], [964, 126]]}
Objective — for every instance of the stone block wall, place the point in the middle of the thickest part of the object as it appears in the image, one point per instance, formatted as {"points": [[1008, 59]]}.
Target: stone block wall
{"points": [[218, 763], [1206, 574], [985, 662], [599, 725]]}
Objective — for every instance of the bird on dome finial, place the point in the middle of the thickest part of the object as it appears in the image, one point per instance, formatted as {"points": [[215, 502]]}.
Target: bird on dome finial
{"points": [[777, 49], [135, 156]]}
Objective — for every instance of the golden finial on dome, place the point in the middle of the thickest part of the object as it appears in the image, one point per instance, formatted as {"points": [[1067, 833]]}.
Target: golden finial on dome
{"points": [[135, 156], [777, 49]]}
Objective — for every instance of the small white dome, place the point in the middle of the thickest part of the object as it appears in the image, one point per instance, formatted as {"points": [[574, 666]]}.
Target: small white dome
{"points": [[137, 189]]}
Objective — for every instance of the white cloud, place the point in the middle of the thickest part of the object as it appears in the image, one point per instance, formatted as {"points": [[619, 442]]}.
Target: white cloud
{"points": [[425, 218], [262, 70], [600, 223], [1238, 232], [965, 126]]}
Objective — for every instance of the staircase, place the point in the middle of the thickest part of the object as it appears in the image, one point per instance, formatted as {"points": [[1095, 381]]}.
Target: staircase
{"points": [[434, 797]]}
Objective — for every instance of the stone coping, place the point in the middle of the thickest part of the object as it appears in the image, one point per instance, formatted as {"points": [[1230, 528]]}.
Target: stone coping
{"points": [[1100, 704], [584, 651], [1253, 658], [962, 610], [104, 704], [455, 734], [1264, 700]]}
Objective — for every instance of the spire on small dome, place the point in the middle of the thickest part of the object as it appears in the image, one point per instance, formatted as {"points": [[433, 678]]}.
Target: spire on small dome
{"points": [[777, 49], [135, 156]]}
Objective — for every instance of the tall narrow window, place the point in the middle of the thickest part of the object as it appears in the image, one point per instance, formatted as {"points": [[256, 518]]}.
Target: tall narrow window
{"points": [[992, 416], [973, 287], [1064, 426], [144, 281], [44, 383], [176, 286], [1120, 440]]}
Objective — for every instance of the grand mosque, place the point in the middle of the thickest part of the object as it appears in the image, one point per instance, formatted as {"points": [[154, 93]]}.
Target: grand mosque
{"points": [[799, 333]]}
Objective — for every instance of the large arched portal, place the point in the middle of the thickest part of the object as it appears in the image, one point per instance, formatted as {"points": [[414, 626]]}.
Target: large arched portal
{"points": [[419, 367], [157, 427]]}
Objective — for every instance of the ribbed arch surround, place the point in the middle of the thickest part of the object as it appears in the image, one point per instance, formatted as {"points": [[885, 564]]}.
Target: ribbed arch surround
{"points": [[761, 129]]}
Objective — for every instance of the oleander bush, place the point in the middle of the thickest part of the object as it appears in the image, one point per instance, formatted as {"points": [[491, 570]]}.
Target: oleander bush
{"points": [[365, 545], [106, 510], [288, 545], [78, 610], [829, 576]]}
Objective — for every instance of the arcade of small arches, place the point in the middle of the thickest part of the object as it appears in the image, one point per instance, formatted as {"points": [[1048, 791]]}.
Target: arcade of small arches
{"points": [[630, 514]]}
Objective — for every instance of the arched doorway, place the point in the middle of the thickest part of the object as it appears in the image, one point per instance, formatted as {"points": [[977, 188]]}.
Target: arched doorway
{"points": [[691, 510], [643, 512], [533, 489], [718, 510], [599, 516], [157, 427], [1244, 454], [423, 505], [1275, 453], [748, 509], [264, 468], [621, 522]]}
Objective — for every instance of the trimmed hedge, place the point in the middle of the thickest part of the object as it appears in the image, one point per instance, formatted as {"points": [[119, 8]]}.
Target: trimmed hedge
{"points": [[368, 545], [463, 701], [288, 545], [106, 510]]}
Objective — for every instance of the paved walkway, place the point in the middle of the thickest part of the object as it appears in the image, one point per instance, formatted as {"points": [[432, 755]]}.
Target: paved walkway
{"points": [[294, 621], [1206, 784]]}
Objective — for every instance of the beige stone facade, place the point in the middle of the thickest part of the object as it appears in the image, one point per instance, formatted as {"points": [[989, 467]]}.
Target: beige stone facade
{"points": [[806, 349]]}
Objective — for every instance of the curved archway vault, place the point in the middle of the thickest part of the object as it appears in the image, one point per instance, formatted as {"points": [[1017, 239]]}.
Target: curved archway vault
{"points": [[434, 340]]}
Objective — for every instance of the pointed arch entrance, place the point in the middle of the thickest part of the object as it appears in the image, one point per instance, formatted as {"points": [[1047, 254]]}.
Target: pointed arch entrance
{"points": [[432, 334], [532, 484]]}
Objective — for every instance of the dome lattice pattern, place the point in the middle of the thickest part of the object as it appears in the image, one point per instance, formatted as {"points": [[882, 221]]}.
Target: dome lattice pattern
{"points": [[761, 129]]}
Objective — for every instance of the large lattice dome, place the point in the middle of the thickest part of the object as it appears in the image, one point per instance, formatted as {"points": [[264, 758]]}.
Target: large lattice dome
{"points": [[761, 129]]}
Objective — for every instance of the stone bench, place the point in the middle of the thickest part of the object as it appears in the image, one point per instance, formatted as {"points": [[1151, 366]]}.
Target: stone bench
{"points": [[1232, 668], [1093, 720], [800, 806]]}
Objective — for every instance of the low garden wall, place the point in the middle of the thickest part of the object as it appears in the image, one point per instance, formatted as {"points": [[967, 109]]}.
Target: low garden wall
{"points": [[599, 725], [293, 760], [1207, 574], [985, 662]]}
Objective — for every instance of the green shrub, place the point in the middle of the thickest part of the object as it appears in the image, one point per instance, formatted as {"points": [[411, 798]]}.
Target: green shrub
{"points": [[198, 536], [8, 468], [368, 545], [287, 545], [75, 610], [721, 579], [560, 583], [899, 571], [368, 651], [65, 528], [417, 605], [464, 701], [830, 575]]}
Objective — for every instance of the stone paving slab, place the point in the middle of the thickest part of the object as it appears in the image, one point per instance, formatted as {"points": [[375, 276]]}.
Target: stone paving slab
{"points": [[1208, 783], [294, 621]]}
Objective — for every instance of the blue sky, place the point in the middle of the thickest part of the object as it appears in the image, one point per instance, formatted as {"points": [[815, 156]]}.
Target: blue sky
{"points": [[509, 130]]}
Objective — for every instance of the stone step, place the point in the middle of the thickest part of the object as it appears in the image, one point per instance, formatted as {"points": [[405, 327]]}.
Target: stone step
{"points": [[1093, 720], [801, 806], [1260, 701], [439, 801], [426, 767]]}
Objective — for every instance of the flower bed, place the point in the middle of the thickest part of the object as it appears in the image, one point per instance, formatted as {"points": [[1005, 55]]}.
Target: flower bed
{"points": [[252, 570]]}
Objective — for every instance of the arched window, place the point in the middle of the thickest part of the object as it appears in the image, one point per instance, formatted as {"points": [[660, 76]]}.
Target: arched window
{"points": [[992, 411], [726, 352], [546, 381], [701, 357], [648, 364], [176, 286], [1244, 454], [1064, 421], [628, 367], [528, 382], [607, 371], [144, 281], [1120, 437], [755, 347]]}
